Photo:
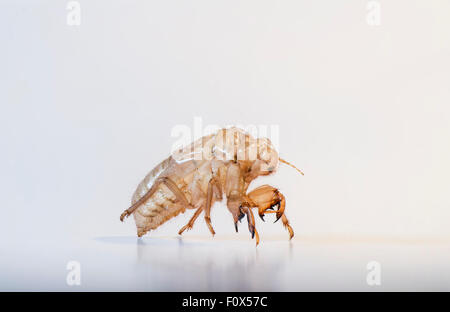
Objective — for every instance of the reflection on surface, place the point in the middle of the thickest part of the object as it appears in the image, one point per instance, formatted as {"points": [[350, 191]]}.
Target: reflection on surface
{"points": [[226, 264], [195, 265], [186, 264]]}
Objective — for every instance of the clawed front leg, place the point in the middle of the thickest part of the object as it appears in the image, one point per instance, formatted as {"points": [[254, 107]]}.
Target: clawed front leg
{"points": [[266, 198]]}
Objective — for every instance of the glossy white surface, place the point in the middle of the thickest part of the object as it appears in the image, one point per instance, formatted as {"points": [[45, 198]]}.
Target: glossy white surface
{"points": [[227, 264]]}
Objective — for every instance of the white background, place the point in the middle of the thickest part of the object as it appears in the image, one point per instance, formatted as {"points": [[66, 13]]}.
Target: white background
{"points": [[87, 111]]}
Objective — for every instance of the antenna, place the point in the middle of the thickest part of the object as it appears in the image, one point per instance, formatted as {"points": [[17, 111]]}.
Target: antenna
{"points": [[289, 164]]}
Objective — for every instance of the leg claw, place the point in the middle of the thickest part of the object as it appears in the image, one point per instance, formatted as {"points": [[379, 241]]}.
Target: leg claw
{"points": [[278, 218], [124, 215]]}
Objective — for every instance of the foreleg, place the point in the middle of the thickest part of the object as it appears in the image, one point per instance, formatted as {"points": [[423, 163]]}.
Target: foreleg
{"points": [[267, 197]]}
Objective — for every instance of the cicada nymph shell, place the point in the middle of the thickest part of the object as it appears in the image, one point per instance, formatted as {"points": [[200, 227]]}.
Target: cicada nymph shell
{"points": [[219, 165]]}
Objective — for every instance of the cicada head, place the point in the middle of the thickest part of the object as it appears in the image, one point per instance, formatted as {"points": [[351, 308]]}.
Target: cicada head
{"points": [[267, 157]]}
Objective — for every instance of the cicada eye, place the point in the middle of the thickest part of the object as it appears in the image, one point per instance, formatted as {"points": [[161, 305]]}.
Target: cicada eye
{"points": [[264, 154]]}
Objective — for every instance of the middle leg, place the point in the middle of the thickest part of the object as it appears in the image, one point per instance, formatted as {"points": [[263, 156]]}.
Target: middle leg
{"points": [[251, 221], [213, 184], [190, 224]]}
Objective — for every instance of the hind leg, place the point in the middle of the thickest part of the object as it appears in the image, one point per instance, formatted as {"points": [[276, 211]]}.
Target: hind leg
{"points": [[142, 200], [163, 180], [266, 198]]}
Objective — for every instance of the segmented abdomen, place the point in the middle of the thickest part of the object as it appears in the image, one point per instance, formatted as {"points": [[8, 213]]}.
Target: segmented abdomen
{"points": [[160, 207], [163, 204]]}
